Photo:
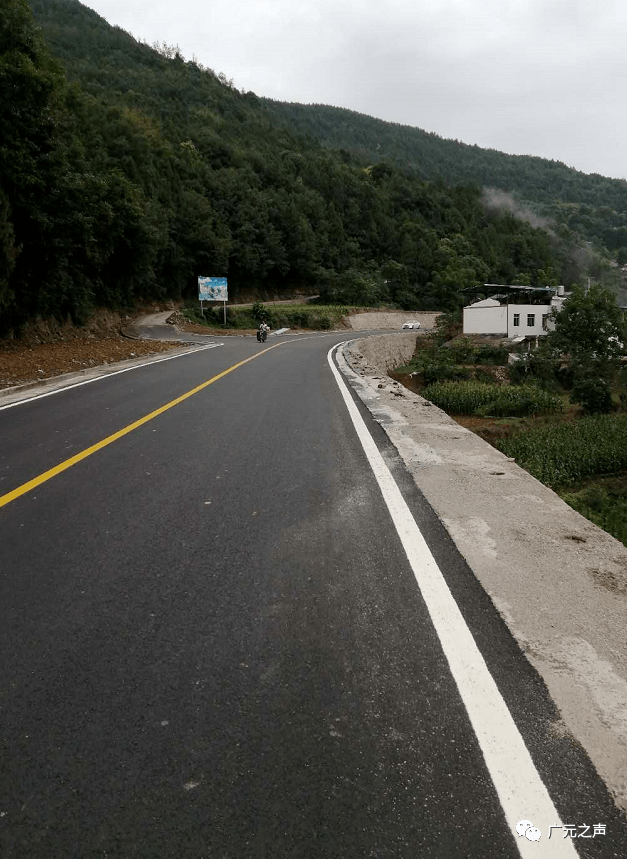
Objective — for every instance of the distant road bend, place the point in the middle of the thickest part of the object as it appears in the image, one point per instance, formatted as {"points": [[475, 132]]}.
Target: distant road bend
{"points": [[231, 626]]}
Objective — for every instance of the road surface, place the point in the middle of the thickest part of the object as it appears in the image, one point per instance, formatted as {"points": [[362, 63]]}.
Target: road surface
{"points": [[219, 637]]}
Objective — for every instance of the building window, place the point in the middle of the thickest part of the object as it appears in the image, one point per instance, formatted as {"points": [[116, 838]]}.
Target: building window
{"points": [[531, 320], [516, 320], [545, 321]]}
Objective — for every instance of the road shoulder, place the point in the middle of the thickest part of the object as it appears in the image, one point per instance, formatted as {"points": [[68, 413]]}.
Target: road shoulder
{"points": [[42, 387], [558, 581]]}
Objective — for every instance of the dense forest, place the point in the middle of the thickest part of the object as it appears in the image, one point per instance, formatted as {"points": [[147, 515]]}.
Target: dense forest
{"points": [[126, 172], [591, 206]]}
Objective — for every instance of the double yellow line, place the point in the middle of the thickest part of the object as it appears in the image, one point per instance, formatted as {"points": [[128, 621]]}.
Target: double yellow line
{"points": [[68, 463]]}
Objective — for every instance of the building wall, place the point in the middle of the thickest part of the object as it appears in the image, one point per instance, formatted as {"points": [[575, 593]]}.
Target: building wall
{"points": [[488, 317], [523, 312], [485, 320]]}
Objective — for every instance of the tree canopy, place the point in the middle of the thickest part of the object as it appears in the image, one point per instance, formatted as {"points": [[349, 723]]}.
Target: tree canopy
{"points": [[126, 172], [590, 331], [582, 206]]}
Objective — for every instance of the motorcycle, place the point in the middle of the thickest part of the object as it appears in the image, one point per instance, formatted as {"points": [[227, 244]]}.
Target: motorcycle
{"points": [[262, 333]]}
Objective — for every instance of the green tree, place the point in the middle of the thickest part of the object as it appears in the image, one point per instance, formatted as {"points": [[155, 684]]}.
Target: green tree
{"points": [[30, 82], [458, 269], [8, 252], [594, 394], [357, 286], [590, 329], [146, 170]]}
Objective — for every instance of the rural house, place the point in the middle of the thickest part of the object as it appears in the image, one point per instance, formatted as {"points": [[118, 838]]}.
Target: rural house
{"points": [[515, 312]]}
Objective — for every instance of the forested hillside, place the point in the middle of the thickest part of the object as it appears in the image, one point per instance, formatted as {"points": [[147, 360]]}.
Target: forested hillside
{"points": [[591, 206], [126, 172]]}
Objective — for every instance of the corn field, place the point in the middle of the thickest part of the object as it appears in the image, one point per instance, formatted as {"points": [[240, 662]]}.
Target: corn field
{"points": [[477, 398], [611, 519], [565, 454]]}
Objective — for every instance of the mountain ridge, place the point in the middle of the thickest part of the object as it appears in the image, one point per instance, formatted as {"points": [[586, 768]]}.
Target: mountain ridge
{"points": [[127, 172], [395, 141]]}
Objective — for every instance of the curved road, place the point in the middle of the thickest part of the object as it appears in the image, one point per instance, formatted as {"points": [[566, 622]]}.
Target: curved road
{"points": [[219, 637]]}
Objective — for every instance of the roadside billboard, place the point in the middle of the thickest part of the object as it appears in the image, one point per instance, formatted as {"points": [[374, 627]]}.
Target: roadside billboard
{"points": [[212, 289]]}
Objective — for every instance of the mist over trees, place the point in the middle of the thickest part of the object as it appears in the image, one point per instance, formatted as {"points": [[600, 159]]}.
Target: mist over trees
{"points": [[581, 206], [127, 171]]}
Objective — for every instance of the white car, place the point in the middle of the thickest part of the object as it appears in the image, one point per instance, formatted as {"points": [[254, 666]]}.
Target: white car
{"points": [[412, 325]]}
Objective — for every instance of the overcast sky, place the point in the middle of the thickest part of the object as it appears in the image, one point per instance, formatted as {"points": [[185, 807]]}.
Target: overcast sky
{"points": [[536, 77]]}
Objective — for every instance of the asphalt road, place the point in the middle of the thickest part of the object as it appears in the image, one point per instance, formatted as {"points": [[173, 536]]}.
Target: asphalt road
{"points": [[213, 642]]}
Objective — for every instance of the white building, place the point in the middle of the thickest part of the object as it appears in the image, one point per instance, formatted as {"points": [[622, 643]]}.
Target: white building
{"points": [[502, 316]]}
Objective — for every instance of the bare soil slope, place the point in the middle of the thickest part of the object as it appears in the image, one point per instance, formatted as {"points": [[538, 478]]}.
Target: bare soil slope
{"points": [[46, 349]]}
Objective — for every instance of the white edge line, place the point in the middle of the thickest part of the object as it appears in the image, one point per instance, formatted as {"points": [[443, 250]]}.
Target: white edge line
{"points": [[107, 376], [521, 791]]}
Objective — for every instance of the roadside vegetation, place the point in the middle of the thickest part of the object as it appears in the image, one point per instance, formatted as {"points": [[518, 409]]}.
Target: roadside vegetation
{"points": [[560, 411], [318, 317], [566, 454], [492, 400]]}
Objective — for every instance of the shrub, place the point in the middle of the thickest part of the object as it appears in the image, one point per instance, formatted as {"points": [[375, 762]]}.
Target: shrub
{"points": [[437, 364], [259, 311], [541, 369], [214, 315], [496, 355], [307, 318], [593, 394], [565, 376], [447, 326], [442, 373], [463, 351], [191, 311]]}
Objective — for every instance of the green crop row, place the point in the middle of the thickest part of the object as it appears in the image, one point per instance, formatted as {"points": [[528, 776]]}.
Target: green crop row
{"points": [[604, 505], [565, 454], [477, 398]]}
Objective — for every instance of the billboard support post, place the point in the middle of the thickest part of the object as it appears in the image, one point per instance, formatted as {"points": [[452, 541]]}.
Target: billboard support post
{"points": [[213, 289]]}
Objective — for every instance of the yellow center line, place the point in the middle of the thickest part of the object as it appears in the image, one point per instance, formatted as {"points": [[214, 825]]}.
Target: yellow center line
{"points": [[68, 463]]}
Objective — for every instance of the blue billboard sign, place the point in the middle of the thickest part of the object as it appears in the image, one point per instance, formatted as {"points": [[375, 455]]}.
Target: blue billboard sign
{"points": [[212, 289]]}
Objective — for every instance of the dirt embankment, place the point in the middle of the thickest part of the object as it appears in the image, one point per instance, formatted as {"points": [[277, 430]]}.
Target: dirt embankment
{"points": [[47, 348]]}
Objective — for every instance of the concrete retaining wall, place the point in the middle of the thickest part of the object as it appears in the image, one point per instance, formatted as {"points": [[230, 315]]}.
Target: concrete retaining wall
{"points": [[389, 319], [384, 352]]}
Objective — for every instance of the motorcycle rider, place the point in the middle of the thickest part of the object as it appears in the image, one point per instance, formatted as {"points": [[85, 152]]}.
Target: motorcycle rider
{"points": [[262, 332]]}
